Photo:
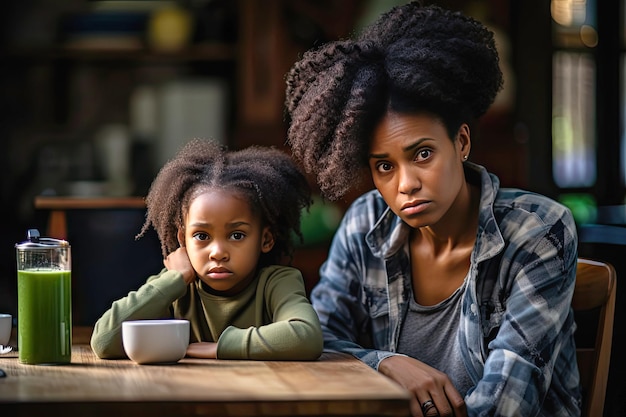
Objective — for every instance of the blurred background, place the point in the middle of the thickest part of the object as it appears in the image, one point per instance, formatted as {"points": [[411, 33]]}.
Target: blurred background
{"points": [[97, 95]]}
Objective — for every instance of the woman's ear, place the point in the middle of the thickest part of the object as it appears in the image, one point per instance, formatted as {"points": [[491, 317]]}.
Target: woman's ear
{"points": [[267, 242], [464, 141], [181, 237]]}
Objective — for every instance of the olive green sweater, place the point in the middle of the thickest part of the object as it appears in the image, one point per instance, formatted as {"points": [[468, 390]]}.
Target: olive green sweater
{"points": [[272, 319]]}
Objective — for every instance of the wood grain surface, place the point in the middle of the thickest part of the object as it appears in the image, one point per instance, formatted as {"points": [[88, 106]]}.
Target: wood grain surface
{"points": [[334, 385]]}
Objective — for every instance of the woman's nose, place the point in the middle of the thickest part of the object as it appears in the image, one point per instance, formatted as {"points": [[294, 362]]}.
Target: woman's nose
{"points": [[408, 180]]}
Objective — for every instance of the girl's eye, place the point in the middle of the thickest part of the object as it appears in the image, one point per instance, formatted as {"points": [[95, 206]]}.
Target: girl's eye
{"points": [[238, 235], [383, 167], [200, 236], [423, 154]]}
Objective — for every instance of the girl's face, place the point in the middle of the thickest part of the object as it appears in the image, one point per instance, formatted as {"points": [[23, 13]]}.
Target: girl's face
{"points": [[417, 168], [224, 240]]}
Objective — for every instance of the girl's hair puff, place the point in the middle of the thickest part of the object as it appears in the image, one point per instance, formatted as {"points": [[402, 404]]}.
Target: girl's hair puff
{"points": [[268, 178]]}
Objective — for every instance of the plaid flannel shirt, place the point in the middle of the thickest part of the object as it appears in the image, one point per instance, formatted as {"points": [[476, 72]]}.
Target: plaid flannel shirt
{"points": [[516, 327]]}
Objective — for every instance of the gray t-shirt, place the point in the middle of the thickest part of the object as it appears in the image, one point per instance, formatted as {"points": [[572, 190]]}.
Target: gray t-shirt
{"points": [[429, 334]]}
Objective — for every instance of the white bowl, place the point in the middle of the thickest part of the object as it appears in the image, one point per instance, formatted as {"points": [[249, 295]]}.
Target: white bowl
{"points": [[155, 341], [6, 322]]}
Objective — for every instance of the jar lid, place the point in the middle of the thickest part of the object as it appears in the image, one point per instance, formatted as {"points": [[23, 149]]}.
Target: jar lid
{"points": [[35, 241]]}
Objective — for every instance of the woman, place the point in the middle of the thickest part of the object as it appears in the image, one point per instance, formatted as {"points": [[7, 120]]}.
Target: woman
{"points": [[455, 288]]}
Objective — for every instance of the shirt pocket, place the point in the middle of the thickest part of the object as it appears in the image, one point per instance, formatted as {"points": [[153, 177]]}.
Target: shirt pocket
{"points": [[376, 301], [377, 327]]}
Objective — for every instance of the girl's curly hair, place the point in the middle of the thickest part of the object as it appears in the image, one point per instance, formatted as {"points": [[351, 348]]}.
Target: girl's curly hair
{"points": [[273, 184], [413, 58]]}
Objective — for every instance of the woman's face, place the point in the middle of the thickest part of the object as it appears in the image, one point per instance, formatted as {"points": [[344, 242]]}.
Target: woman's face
{"points": [[224, 240], [416, 167]]}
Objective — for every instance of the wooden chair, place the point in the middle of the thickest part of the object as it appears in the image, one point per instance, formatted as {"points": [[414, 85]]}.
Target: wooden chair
{"points": [[594, 308]]}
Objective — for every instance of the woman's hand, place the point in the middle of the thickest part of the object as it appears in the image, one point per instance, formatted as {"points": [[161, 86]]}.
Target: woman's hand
{"points": [[204, 350], [179, 261], [425, 384]]}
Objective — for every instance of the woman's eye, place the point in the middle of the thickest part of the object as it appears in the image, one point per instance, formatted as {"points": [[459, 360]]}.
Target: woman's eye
{"points": [[383, 167], [423, 154], [238, 236]]}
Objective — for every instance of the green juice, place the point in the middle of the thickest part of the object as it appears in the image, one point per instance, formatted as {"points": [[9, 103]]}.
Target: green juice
{"points": [[44, 316]]}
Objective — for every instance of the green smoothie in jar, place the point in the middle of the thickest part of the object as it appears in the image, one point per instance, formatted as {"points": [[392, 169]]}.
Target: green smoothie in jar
{"points": [[44, 301]]}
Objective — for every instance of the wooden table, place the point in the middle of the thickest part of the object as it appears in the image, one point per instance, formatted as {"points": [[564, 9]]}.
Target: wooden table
{"points": [[335, 385]]}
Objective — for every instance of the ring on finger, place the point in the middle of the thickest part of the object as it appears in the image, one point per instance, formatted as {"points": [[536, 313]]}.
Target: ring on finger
{"points": [[427, 405]]}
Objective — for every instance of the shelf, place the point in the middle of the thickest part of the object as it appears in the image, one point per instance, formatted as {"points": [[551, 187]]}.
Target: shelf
{"points": [[197, 53], [72, 203], [57, 220]]}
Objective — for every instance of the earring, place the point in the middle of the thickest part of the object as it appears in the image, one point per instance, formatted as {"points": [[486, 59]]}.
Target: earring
{"points": [[465, 157]]}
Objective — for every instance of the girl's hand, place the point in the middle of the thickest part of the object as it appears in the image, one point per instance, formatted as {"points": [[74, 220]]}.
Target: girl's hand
{"points": [[425, 384], [179, 261], [204, 350]]}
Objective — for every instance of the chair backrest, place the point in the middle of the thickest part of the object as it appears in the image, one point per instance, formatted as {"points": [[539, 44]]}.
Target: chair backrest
{"points": [[594, 309]]}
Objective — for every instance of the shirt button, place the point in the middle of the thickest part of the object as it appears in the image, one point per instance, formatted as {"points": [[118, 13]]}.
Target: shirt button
{"points": [[474, 309]]}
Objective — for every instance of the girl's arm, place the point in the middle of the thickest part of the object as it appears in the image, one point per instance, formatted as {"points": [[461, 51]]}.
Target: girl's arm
{"points": [[294, 332], [152, 300]]}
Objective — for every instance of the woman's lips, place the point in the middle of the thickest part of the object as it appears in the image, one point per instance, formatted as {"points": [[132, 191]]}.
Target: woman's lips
{"points": [[414, 207]]}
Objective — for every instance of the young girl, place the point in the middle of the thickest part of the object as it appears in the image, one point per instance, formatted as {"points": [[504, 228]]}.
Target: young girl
{"points": [[225, 220]]}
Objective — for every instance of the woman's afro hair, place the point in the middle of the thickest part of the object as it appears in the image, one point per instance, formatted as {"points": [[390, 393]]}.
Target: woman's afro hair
{"points": [[412, 58]]}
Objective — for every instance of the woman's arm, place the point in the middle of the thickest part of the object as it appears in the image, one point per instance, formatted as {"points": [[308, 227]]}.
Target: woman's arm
{"points": [[351, 297], [531, 359]]}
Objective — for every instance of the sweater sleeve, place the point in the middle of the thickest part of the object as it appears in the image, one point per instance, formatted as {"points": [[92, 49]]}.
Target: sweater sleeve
{"points": [[151, 301], [294, 331]]}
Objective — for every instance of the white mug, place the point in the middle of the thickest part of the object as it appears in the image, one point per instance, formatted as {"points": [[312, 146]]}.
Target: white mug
{"points": [[6, 323]]}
